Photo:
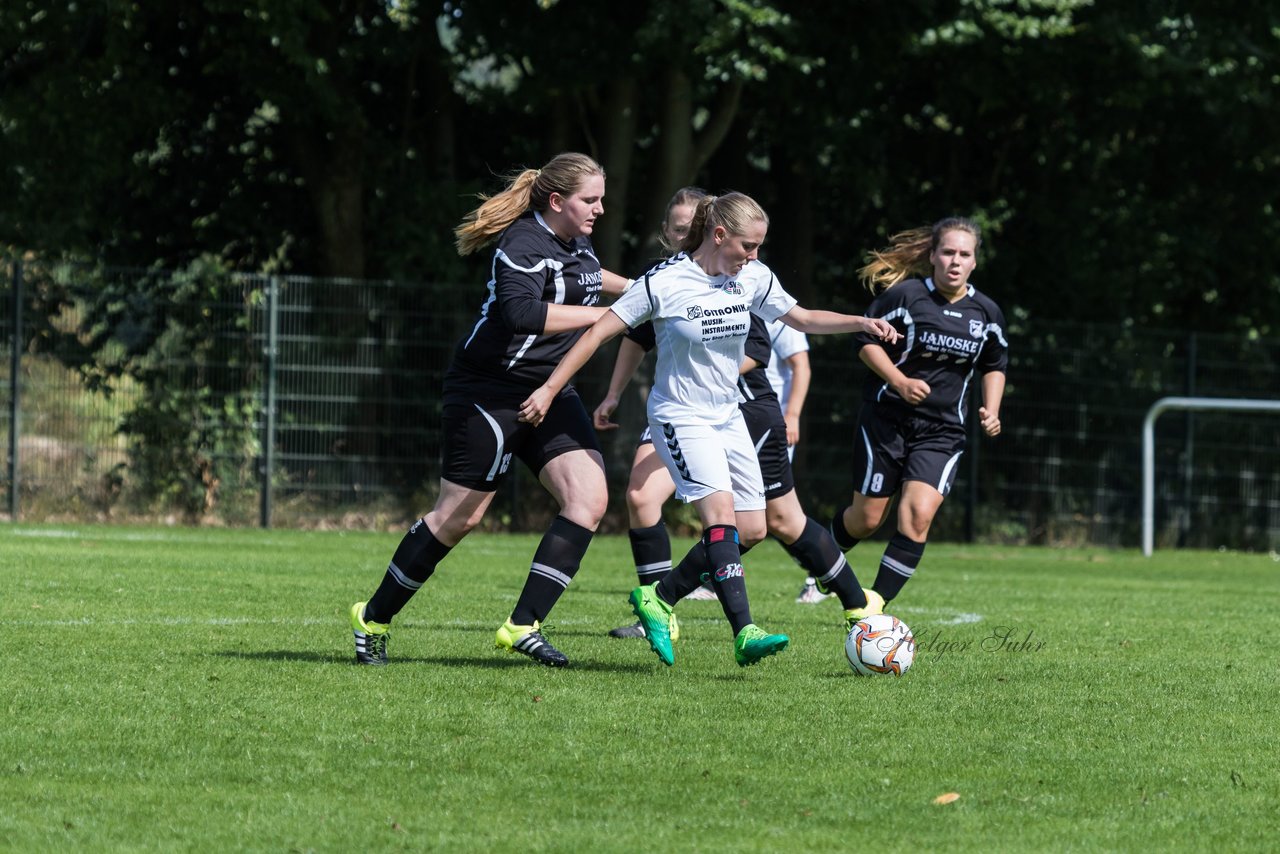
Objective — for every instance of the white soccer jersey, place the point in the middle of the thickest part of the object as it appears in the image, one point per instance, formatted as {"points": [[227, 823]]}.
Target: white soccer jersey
{"points": [[786, 342], [700, 323]]}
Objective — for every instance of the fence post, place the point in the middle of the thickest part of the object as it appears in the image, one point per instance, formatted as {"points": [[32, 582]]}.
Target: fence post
{"points": [[1189, 446], [971, 492], [269, 399], [15, 366]]}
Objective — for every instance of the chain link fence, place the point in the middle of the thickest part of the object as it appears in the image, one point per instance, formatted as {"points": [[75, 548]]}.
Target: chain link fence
{"points": [[207, 397]]}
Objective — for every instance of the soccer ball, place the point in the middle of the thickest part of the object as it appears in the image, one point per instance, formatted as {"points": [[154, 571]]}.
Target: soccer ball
{"points": [[880, 644]]}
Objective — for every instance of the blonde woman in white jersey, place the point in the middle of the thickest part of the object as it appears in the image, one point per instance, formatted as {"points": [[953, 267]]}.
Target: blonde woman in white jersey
{"points": [[699, 301]]}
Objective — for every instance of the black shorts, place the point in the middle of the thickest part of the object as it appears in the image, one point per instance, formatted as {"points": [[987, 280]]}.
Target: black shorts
{"points": [[892, 445], [482, 435], [768, 429], [646, 438]]}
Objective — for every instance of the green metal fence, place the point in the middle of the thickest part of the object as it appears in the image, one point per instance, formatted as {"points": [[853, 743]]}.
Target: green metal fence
{"points": [[209, 397]]}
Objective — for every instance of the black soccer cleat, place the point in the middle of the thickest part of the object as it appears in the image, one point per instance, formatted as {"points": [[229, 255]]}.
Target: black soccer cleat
{"points": [[528, 640]]}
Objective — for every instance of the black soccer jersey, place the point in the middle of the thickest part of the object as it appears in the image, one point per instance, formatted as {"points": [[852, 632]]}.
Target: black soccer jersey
{"points": [[532, 268], [754, 384], [943, 343]]}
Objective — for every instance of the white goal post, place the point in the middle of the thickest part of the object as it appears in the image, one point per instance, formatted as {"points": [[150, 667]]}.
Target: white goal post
{"points": [[1220, 404]]}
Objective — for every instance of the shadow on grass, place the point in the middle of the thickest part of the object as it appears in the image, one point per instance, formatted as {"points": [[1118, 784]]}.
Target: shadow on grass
{"points": [[511, 661], [494, 662]]}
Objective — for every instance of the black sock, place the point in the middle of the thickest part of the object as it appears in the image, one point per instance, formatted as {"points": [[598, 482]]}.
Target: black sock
{"points": [[901, 557], [725, 558], [651, 551], [840, 534], [413, 563], [554, 564], [690, 574], [818, 553]]}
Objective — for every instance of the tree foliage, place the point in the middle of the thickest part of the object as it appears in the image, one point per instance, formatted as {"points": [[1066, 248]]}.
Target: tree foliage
{"points": [[1119, 154]]}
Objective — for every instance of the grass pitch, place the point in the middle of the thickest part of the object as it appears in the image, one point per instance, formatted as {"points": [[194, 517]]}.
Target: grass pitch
{"points": [[172, 689]]}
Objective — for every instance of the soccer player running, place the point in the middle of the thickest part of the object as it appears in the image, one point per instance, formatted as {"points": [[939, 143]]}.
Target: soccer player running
{"points": [[699, 301], [911, 432], [808, 542], [789, 374], [543, 288], [649, 485]]}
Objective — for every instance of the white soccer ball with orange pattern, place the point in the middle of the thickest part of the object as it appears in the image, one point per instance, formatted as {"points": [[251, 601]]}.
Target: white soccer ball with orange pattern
{"points": [[880, 644]]}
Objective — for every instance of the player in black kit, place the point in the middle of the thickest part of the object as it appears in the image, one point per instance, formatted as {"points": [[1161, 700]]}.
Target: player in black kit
{"points": [[807, 541], [543, 288], [910, 432]]}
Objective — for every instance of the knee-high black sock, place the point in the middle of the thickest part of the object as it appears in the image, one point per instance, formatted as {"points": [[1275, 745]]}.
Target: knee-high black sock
{"points": [[651, 550], [554, 564], [725, 558], [901, 557], [818, 553], [413, 563], [691, 573], [840, 534]]}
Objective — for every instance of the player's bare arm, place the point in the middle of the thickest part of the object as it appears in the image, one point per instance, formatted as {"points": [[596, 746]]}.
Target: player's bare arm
{"points": [[913, 391]]}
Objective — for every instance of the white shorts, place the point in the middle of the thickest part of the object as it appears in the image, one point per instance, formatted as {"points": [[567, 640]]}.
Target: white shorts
{"points": [[705, 459]]}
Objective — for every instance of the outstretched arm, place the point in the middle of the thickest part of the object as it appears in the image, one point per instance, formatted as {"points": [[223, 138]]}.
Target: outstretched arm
{"points": [[567, 318], [613, 284], [630, 354], [819, 322], [535, 407]]}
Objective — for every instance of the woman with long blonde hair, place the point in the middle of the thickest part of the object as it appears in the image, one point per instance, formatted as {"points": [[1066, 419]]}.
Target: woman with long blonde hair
{"points": [[543, 289], [911, 432]]}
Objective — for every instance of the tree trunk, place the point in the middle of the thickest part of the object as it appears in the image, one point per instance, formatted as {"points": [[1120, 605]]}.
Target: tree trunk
{"points": [[618, 124], [333, 170]]}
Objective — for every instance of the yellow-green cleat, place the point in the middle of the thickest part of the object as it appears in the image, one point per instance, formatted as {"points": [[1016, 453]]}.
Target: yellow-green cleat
{"points": [[875, 605], [371, 638], [754, 643], [529, 640], [656, 618]]}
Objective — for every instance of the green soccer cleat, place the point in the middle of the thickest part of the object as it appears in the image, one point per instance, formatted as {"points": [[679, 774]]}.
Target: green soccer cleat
{"points": [[875, 605], [528, 640], [656, 618], [371, 638], [754, 643]]}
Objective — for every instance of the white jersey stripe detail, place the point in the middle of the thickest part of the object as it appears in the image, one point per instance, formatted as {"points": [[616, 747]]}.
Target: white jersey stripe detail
{"points": [[524, 348], [909, 338]]}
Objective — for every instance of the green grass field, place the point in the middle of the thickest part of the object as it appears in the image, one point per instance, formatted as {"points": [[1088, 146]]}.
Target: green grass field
{"points": [[176, 689]]}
